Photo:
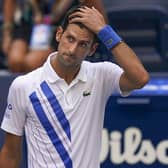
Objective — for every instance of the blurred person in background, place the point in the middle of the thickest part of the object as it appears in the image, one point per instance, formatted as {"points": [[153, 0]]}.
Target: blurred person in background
{"points": [[29, 27]]}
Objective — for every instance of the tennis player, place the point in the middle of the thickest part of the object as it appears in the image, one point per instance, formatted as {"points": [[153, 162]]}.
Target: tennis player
{"points": [[60, 106]]}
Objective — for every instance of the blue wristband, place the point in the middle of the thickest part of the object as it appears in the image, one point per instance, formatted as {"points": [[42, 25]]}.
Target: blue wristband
{"points": [[109, 37]]}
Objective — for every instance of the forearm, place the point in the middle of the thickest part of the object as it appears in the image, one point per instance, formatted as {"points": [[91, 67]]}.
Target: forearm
{"points": [[8, 17], [135, 75], [9, 161], [9, 7], [128, 60]]}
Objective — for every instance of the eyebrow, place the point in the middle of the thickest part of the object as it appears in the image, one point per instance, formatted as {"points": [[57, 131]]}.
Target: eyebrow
{"points": [[83, 41]]}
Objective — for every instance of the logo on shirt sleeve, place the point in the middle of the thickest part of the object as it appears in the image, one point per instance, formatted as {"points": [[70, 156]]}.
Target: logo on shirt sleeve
{"points": [[8, 111], [9, 106]]}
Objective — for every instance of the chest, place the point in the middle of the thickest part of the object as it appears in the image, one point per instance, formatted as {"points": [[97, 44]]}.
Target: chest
{"points": [[59, 108], [53, 98]]}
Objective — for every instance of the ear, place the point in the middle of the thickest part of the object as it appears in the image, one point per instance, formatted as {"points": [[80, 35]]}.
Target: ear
{"points": [[93, 49], [59, 33]]}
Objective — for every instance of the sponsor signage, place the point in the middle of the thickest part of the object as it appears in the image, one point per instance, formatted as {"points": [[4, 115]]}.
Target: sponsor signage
{"points": [[135, 128]]}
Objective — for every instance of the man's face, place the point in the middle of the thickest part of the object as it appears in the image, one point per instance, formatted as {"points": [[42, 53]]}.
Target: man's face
{"points": [[75, 44]]}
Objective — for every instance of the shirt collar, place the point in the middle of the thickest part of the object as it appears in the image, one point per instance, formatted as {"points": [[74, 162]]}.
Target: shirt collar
{"points": [[52, 76]]}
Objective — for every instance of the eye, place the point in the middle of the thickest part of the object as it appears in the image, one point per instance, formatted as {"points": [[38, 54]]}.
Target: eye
{"points": [[70, 38], [84, 45]]}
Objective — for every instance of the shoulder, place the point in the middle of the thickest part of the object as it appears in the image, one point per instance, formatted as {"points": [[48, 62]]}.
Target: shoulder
{"points": [[102, 71], [26, 80], [100, 66]]}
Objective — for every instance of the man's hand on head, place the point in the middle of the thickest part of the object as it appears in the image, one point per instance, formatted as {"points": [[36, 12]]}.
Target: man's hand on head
{"points": [[90, 17]]}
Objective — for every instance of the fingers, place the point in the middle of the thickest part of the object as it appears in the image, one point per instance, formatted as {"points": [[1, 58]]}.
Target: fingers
{"points": [[83, 12], [90, 17], [76, 14], [76, 18]]}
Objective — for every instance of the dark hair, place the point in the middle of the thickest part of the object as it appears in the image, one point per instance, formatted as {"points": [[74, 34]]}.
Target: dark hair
{"points": [[66, 19]]}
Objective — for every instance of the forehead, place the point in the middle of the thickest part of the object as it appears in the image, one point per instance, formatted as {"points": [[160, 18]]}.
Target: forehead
{"points": [[80, 33]]}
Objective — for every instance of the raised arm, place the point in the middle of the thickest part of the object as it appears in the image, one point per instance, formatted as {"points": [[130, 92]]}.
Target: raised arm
{"points": [[10, 154], [9, 7], [135, 76]]}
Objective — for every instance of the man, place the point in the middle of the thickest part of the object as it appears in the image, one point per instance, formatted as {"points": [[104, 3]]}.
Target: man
{"points": [[61, 105]]}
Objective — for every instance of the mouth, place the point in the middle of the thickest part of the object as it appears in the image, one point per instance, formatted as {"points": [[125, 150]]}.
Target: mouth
{"points": [[69, 57]]}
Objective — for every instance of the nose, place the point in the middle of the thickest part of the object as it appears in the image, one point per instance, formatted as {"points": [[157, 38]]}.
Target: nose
{"points": [[73, 48]]}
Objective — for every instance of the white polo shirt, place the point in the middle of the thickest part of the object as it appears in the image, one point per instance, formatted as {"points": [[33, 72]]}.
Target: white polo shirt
{"points": [[63, 123]]}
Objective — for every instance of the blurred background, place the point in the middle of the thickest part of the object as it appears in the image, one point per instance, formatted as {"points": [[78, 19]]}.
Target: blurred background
{"points": [[135, 128]]}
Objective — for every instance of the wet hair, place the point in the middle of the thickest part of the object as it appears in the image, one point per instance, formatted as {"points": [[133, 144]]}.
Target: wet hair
{"points": [[66, 19]]}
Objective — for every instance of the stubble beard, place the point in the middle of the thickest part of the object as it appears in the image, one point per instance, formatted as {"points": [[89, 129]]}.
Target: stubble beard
{"points": [[68, 61]]}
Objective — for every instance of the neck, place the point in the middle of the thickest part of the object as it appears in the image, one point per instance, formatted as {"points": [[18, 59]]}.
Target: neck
{"points": [[65, 72]]}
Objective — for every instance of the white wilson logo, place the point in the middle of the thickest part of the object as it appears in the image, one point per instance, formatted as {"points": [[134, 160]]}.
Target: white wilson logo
{"points": [[134, 149]]}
